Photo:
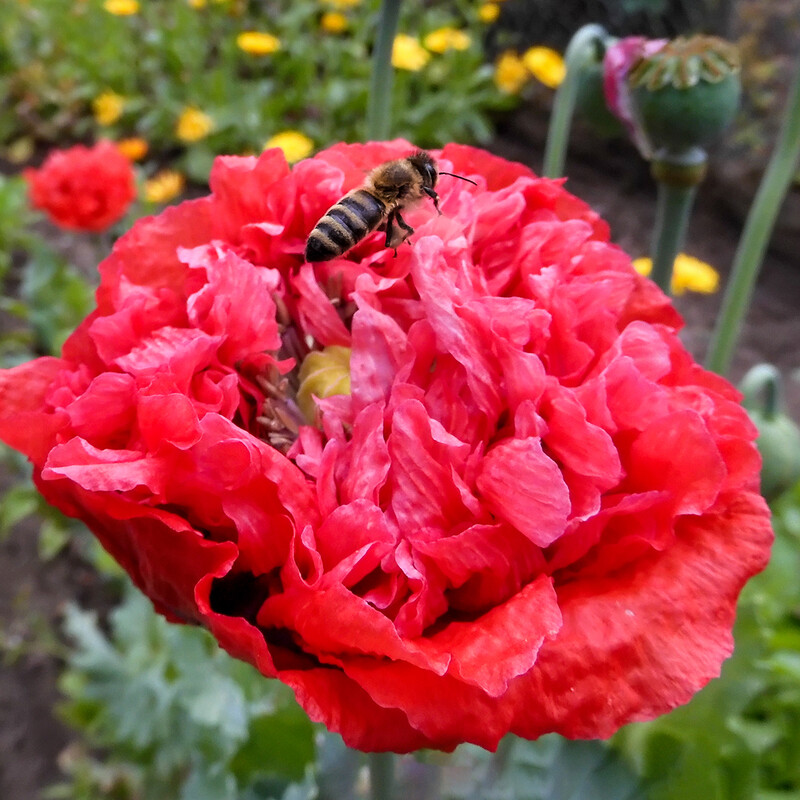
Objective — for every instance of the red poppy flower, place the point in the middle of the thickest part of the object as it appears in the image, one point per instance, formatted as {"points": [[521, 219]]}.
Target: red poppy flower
{"points": [[82, 188], [533, 511]]}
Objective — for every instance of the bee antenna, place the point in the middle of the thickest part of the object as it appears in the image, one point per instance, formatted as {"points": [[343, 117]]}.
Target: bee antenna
{"points": [[460, 177]]}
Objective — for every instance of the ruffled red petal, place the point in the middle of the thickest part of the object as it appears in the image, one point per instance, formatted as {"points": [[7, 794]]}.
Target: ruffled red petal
{"points": [[532, 512]]}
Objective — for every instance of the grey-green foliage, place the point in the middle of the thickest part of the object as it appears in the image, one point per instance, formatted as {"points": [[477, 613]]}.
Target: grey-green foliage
{"points": [[551, 768], [177, 718]]}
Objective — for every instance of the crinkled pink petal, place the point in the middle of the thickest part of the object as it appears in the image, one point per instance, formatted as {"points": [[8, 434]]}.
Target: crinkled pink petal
{"points": [[24, 425], [99, 470], [524, 487]]}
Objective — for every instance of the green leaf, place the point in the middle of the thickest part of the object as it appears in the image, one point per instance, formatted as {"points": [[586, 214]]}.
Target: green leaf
{"points": [[216, 702], [17, 503], [197, 163], [282, 743], [53, 538]]}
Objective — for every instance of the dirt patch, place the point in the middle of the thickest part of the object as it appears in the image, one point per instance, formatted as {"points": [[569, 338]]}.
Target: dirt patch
{"points": [[32, 594]]}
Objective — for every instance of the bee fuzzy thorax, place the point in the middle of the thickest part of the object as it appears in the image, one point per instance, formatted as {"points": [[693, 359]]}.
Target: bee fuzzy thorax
{"points": [[389, 189]]}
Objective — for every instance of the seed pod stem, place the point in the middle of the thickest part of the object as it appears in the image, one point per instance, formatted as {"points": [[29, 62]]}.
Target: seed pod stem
{"points": [[583, 46], [379, 102], [755, 238]]}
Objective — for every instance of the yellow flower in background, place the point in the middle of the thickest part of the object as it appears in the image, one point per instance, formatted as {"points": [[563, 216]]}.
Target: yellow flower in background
{"points": [[510, 74], [257, 43], [197, 3], [340, 4], [444, 39], [546, 65], [488, 12], [295, 145], [133, 148], [408, 53], [334, 22], [688, 274], [163, 186], [107, 107], [193, 125], [121, 8]]}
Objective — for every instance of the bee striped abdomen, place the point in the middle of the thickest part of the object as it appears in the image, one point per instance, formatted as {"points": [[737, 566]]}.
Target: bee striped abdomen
{"points": [[345, 225]]}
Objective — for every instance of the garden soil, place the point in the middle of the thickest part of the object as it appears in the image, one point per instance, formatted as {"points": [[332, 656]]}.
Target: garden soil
{"points": [[611, 178]]}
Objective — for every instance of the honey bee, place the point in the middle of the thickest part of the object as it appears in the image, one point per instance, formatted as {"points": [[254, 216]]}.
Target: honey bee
{"points": [[389, 189]]}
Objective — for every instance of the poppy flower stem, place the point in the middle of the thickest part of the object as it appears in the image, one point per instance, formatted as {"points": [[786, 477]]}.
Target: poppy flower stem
{"points": [[379, 102], [673, 210], [584, 45], [757, 230], [381, 776]]}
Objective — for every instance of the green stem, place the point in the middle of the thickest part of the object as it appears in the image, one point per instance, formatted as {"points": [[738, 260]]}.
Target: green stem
{"points": [[757, 230], [581, 48], [672, 219], [379, 102], [381, 776]]}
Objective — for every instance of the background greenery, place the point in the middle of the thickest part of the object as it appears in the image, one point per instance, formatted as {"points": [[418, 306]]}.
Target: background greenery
{"points": [[57, 57]]}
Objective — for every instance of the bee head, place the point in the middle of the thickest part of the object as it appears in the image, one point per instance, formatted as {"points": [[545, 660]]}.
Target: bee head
{"points": [[426, 166]]}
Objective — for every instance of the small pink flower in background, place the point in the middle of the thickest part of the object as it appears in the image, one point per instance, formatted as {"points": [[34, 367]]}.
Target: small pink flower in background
{"points": [[617, 63], [83, 188], [527, 509]]}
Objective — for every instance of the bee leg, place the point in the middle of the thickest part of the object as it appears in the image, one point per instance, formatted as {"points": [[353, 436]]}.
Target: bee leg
{"points": [[433, 196], [403, 224], [397, 230]]}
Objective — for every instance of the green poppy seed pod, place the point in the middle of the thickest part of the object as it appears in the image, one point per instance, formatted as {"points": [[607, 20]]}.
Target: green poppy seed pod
{"points": [[778, 436], [686, 94]]}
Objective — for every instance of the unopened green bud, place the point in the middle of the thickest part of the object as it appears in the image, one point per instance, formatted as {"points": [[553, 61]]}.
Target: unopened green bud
{"points": [[591, 103], [686, 94], [778, 436]]}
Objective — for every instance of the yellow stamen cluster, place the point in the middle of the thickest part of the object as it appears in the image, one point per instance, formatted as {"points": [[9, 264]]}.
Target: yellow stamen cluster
{"points": [[323, 373]]}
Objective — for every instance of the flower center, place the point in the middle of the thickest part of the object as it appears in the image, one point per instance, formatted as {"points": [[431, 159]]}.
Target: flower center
{"points": [[290, 399]]}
